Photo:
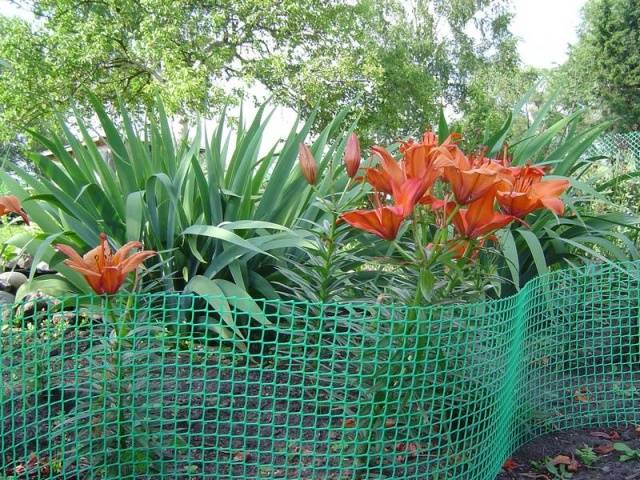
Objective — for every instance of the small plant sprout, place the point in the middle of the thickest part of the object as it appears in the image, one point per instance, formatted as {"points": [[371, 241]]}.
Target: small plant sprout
{"points": [[587, 455], [626, 452]]}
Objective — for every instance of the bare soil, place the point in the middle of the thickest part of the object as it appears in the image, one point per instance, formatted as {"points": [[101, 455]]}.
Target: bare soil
{"points": [[533, 457]]}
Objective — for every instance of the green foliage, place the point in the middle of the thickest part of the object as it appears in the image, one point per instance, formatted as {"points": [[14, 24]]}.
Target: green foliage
{"points": [[388, 58], [219, 217], [626, 452], [603, 70], [557, 471], [490, 95], [587, 455], [582, 233]]}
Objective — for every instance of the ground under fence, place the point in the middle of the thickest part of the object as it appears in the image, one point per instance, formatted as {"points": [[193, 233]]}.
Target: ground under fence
{"points": [[176, 386]]}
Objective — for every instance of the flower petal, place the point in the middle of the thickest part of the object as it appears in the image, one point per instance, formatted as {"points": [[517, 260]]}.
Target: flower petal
{"points": [[389, 165], [131, 263], [122, 252], [81, 269], [10, 203], [74, 257], [554, 204], [408, 194], [383, 222], [112, 279], [379, 180]]}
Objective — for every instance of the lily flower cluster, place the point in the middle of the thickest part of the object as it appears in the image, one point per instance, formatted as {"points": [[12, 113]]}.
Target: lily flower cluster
{"points": [[482, 195]]}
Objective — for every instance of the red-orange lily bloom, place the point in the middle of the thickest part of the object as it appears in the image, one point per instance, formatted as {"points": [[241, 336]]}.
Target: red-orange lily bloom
{"points": [[11, 204], [480, 218], [408, 194], [382, 221], [409, 180], [105, 272], [470, 178], [390, 173], [425, 160], [529, 192]]}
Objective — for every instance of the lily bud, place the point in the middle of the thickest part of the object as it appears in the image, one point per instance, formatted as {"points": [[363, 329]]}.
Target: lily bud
{"points": [[308, 164], [352, 155]]}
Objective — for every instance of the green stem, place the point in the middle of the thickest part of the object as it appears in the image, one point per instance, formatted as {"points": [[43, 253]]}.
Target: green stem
{"points": [[455, 279], [437, 239], [119, 322], [403, 253], [326, 270]]}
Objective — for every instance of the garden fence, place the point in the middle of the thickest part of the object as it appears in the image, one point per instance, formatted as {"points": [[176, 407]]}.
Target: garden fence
{"points": [[617, 145], [173, 386]]}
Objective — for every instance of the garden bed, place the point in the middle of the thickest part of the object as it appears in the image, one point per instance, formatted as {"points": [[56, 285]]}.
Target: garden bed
{"points": [[325, 392], [586, 454]]}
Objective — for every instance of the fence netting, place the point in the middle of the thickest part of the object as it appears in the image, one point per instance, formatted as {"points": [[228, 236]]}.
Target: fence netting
{"points": [[619, 146], [178, 386]]}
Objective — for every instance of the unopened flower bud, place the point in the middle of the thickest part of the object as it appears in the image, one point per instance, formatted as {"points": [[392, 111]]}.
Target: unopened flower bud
{"points": [[352, 155], [308, 164]]}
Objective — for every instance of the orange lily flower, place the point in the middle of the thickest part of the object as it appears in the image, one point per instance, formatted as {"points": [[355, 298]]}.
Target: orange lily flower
{"points": [[470, 178], [379, 180], [11, 204], [390, 173], [529, 192], [352, 155], [105, 272], [422, 161], [425, 160], [406, 195], [479, 218], [382, 221], [409, 180]]}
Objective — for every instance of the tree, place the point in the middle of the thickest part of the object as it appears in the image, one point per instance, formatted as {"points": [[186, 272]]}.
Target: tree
{"points": [[416, 56], [603, 70], [394, 62]]}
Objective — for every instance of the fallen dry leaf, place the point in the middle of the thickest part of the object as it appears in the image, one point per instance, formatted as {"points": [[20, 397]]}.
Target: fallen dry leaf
{"points": [[410, 448], [349, 423], [612, 435], [574, 466], [239, 457], [603, 449], [510, 465], [580, 395], [561, 460], [571, 463]]}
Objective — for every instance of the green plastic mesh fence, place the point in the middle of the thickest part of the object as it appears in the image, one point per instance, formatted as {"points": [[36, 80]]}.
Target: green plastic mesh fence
{"points": [[173, 386], [617, 145]]}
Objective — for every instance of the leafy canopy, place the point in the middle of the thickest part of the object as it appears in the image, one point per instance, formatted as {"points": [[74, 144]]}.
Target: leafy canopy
{"points": [[394, 62], [603, 70]]}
